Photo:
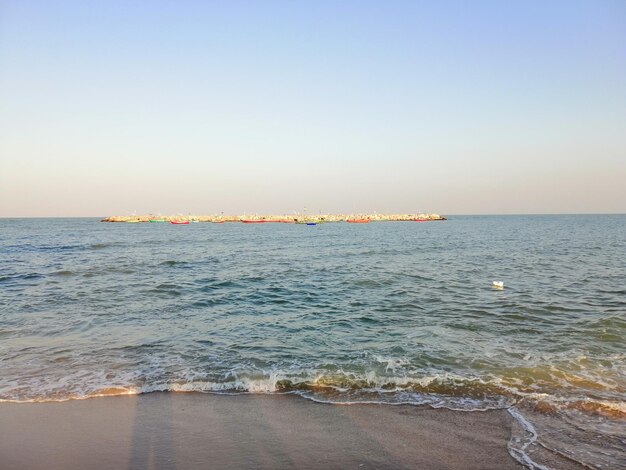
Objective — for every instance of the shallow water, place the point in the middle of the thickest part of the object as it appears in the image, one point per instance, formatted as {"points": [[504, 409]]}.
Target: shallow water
{"points": [[386, 312]]}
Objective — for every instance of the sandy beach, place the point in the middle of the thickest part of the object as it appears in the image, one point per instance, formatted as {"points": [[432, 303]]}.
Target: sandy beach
{"points": [[191, 430]]}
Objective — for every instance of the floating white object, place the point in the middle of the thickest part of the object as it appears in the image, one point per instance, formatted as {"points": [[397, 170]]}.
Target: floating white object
{"points": [[498, 284]]}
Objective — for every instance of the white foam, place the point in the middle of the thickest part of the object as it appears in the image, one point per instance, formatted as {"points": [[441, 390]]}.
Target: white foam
{"points": [[519, 453], [392, 363]]}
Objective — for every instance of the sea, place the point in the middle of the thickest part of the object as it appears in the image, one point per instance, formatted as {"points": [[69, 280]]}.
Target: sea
{"points": [[385, 312]]}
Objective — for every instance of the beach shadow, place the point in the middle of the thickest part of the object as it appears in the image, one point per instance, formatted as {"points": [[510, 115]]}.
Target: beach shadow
{"points": [[152, 445]]}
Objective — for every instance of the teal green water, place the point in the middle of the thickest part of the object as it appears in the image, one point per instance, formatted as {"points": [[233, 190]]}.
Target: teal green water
{"points": [[382, 312]]}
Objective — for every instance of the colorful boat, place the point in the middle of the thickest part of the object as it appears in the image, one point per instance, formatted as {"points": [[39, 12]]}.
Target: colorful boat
{"points": [[179, 222], [253, 221], [157, 220], [358, 221], [311, 223]]}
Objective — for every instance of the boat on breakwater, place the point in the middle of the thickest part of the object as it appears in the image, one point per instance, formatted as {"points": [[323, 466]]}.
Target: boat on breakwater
{"points": [[310, 221]]}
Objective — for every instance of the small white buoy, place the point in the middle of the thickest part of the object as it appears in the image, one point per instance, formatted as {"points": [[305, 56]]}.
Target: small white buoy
{"points": [[497, 284]]}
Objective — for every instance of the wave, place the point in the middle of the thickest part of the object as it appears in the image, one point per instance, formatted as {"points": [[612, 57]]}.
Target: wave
{"points": [[63, 272], [335, 387], [101, 246], [322, 389], [21, 277], [175, 263], [339, 384]]}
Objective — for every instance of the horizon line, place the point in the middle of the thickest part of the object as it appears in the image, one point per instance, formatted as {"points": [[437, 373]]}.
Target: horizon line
{"points": [[442, 214]]}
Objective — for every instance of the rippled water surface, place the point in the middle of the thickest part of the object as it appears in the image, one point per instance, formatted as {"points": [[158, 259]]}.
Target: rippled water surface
{"points": [[388, 312]]}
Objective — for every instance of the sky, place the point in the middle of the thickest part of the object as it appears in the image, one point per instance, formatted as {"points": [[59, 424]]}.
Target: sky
{"points": [[453, 107]]}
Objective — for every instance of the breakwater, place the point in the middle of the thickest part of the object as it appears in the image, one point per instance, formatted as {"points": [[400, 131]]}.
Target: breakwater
{"points": [[292, 218]]}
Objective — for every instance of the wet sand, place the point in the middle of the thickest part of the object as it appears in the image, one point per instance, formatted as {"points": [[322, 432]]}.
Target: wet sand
{"points": [[192, 430]]}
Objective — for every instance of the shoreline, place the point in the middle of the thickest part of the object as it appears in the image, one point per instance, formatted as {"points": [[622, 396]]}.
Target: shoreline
{"points": [[194, 430]]}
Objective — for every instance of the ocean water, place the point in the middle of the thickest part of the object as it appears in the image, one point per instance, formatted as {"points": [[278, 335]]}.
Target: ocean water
{"points": [[389, 312]]}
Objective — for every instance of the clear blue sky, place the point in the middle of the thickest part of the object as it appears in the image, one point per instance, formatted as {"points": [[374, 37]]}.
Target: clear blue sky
{"points": [[340, 106]]}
